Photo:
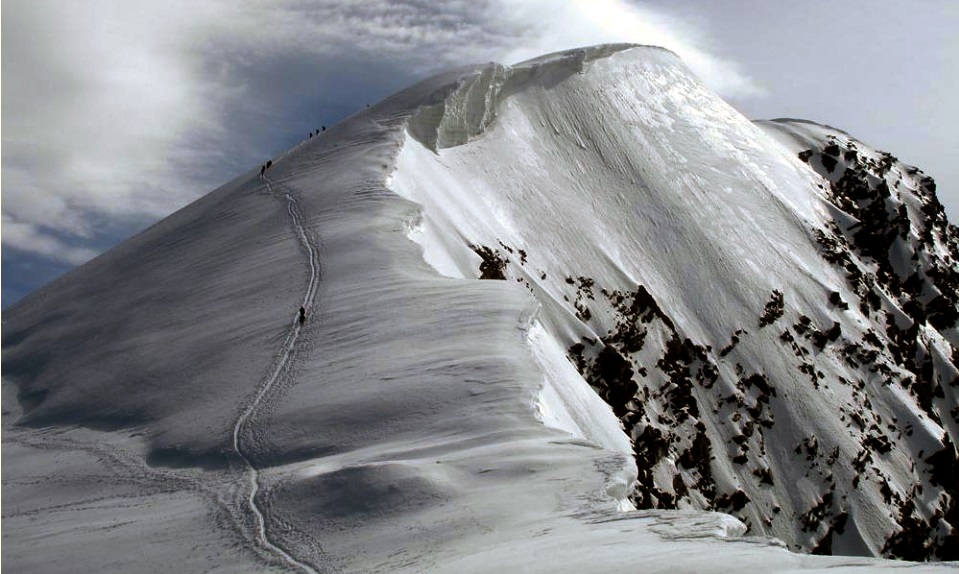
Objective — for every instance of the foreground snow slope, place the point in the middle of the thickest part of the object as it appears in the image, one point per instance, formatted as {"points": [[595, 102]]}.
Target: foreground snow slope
{"points": [[422, 420]]}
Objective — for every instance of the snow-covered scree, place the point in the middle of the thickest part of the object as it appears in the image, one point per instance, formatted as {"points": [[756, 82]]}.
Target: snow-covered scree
{"points": [[655, 245]]}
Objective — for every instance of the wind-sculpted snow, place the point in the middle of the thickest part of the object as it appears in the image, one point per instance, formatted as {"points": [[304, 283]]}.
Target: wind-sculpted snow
{"points": [[472, 102], [695, 269], [422, 419]]}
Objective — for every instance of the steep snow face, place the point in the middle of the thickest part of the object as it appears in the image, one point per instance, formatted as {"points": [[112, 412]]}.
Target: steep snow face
{"points": [[778, 344], [276, 379]]}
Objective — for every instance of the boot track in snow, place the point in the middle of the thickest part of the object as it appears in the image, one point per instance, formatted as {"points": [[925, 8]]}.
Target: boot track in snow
{"points": [[245, 422]]}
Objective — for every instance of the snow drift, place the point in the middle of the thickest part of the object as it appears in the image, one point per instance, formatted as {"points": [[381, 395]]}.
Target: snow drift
{"points": [[697, 313]]}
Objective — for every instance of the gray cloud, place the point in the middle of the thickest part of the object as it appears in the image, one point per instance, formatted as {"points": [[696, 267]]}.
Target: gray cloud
{"points": [[34, 239]]}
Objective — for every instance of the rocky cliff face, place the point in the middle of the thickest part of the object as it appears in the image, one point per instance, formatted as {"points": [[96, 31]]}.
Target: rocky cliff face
{"points": [[891, 237]]}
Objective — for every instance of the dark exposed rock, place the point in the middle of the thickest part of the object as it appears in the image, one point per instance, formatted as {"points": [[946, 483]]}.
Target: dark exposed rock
{"points": [[759, 381], [809, 521], [697, 457], [839, 522], [944, 467], [821, 338], [613, 375], [829, 162], [913, 541], [877, 443], [493, 265], [942, 312], [733, 341], [764, 475], [679, 487], [835, 299], [733, 502], [651, 446], [773, 310], [824, 546], [575, 354]]}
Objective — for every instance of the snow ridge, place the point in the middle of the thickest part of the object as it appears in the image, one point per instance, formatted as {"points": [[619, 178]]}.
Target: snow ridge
{"points": [[654, 224], [243, 430], [446, 425]]}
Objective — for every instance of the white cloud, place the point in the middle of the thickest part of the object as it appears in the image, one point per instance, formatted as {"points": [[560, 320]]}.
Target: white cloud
{"points": [[33, 239], [129, 109], [549, 26]]}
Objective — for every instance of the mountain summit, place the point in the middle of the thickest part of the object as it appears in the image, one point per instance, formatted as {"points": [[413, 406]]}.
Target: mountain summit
{"points": [[576, 314]]}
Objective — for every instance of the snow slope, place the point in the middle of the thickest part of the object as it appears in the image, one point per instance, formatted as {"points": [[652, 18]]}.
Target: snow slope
{"points": [[168, 398], [633, 174]]}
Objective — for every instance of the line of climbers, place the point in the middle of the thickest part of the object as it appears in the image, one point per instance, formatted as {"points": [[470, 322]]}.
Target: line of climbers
{"points": [[302, 314], [269, 163], [265, 167]]}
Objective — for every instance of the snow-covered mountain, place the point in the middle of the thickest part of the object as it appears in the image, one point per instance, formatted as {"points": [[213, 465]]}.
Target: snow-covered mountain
{"points": [[695, 315]]}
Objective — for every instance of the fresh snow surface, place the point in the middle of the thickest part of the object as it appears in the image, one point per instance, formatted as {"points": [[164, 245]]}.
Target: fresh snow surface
{"points": [[164, 406]]}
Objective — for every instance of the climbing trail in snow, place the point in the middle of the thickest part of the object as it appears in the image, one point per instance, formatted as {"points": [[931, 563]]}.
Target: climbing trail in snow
{"points": [[244, 429]]}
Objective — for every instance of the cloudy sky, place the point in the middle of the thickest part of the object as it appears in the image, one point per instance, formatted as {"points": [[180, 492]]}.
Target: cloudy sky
{"points": [[118, 112]]}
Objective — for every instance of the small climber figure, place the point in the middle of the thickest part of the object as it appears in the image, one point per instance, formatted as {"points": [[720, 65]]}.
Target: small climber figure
{"points": [[324, 128], [269, 163], [311, 135], [302, 315], [262, 170]]}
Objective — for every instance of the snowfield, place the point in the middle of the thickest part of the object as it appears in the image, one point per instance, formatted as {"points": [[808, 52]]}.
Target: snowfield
{"points": [[701, 344]]}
